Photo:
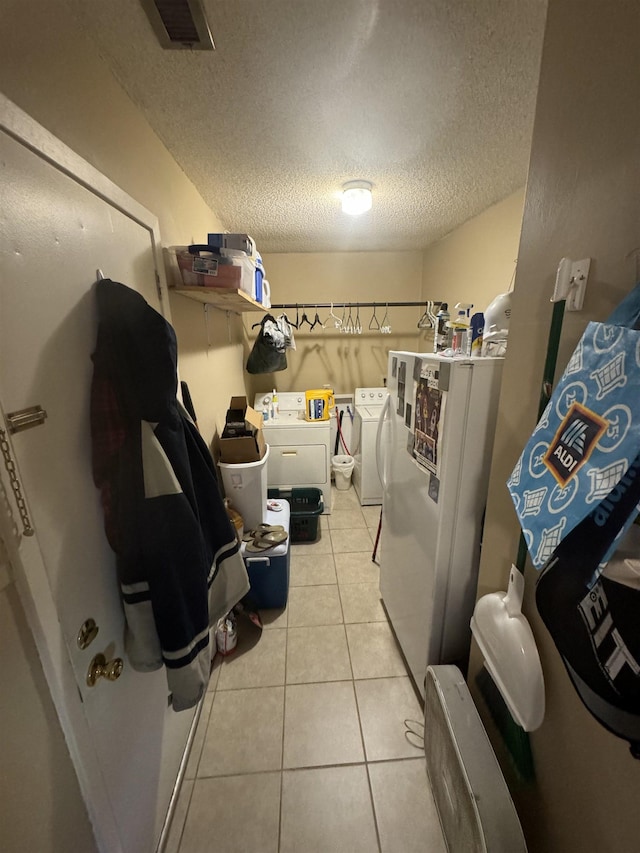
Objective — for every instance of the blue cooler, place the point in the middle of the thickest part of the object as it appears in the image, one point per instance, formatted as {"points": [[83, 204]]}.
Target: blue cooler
{"points": [[269, 570]]}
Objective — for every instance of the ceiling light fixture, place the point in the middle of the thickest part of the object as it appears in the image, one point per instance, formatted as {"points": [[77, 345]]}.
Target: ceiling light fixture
{"points": [[356, 197]]}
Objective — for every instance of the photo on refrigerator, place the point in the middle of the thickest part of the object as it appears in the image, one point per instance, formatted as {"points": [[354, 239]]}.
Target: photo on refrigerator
{"points": [[429, 410]]}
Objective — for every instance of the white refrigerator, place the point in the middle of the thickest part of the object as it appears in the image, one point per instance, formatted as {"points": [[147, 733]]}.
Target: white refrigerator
{"points": [[434, 445]]}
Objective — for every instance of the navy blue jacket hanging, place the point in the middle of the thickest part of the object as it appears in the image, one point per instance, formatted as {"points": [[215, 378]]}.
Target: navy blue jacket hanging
{"points": [[178, 562]]}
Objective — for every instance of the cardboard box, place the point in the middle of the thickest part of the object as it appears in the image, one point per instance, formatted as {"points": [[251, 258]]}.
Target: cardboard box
{"points": [[242, 439], [241, 242]]}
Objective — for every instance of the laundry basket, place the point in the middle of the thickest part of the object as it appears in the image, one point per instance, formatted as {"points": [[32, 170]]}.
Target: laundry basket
{"points": [[306, 508], [342, 467]]}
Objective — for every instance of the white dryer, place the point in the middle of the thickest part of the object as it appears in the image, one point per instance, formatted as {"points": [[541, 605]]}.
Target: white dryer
{"points": [[366, 480], [299, 450]]}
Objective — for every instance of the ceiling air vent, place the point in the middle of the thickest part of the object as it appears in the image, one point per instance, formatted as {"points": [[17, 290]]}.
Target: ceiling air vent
{"points": [[179, 24]]}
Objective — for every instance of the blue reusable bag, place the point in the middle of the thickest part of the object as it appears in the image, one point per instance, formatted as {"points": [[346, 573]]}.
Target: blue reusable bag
{"points": [[579, 454]]}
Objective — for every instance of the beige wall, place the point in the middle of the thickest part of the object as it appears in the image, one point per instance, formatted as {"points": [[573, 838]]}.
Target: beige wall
{"points": [[472, 264], [328, 356], [582, 200], [49, 70], [476, 261], [52, 72]]}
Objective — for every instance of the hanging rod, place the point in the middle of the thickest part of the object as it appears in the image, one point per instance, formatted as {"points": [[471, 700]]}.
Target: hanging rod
{"points": [[341, 304]]}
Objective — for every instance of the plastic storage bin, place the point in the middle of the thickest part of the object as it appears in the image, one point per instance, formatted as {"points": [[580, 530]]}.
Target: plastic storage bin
{"points": [[269, 570], [200, 266], [245, 484], [306, 508]]}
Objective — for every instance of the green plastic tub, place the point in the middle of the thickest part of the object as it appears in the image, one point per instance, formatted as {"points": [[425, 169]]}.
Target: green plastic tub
{"points": [[306, 508]]}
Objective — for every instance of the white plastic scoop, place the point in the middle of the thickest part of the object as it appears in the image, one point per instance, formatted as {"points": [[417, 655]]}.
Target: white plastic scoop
{"points": [[510, 653]]}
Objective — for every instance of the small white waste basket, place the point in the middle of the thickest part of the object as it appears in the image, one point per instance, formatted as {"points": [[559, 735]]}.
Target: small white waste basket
{"points": [[342, 467], [245, 484]]}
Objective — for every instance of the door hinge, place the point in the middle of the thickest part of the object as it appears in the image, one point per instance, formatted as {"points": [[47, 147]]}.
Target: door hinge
{"points": [[25, 419]]}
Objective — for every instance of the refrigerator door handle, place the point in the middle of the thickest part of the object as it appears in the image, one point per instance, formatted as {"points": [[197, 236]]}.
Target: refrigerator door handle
{"points": [[379, 459]]}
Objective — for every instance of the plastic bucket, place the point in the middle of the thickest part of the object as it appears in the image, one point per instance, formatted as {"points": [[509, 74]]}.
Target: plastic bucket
{"points": [[245, 484], [342, 467]]}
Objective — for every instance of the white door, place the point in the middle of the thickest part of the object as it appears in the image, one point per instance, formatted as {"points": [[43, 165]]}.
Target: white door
{"points": [[56, 229]]}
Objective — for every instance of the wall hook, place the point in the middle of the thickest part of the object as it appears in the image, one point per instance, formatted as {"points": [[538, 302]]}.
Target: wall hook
{"points": [[571, 283]]}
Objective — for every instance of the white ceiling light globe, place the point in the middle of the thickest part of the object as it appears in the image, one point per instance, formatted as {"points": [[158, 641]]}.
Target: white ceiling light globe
{"points": [[356, 197]]}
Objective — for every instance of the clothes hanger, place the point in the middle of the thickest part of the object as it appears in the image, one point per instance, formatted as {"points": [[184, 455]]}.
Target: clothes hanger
{"points": [[337, 322], [374, 320], [357, 326], [384, 323], [287, 320], [425, 321], [349, 327], [385, 326], [305, 319], [317, 321]]}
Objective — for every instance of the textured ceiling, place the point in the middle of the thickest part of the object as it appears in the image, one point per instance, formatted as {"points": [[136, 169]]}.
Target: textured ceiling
{"points": [[430, 100]]}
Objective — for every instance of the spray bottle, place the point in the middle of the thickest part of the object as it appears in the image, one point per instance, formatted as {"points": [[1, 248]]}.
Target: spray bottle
{"points": [[440, 338], [275, 409]]}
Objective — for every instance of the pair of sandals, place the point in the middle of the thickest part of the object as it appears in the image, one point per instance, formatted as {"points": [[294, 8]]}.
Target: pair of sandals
{"points": [[264, 537]]}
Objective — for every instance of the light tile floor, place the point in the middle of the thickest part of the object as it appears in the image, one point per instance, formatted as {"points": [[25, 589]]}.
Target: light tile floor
{"points": [[301, 743]]}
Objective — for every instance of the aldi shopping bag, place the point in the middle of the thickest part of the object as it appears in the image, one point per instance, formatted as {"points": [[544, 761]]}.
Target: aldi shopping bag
{"points": [[592, 616], [587, 436]]}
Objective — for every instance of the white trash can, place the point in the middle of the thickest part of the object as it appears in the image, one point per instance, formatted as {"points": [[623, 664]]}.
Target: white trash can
{"points": [[342, 467], [245, 484]]}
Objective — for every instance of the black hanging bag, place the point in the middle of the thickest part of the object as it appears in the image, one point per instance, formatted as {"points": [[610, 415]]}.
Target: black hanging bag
{"points": [[595, 621], [267, 355]]}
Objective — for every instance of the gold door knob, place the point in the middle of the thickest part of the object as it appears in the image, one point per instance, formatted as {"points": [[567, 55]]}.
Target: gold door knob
{"points": [[100, 667]]}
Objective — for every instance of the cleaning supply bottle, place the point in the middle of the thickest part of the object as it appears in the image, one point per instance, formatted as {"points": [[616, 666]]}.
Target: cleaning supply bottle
{"points": [[441, 336], [475, 335], [460, 331], [274, 404]]}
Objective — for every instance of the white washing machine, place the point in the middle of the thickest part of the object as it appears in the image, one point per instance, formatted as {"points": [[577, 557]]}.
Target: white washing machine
{"points": [[366, 480], [299, 450]]}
